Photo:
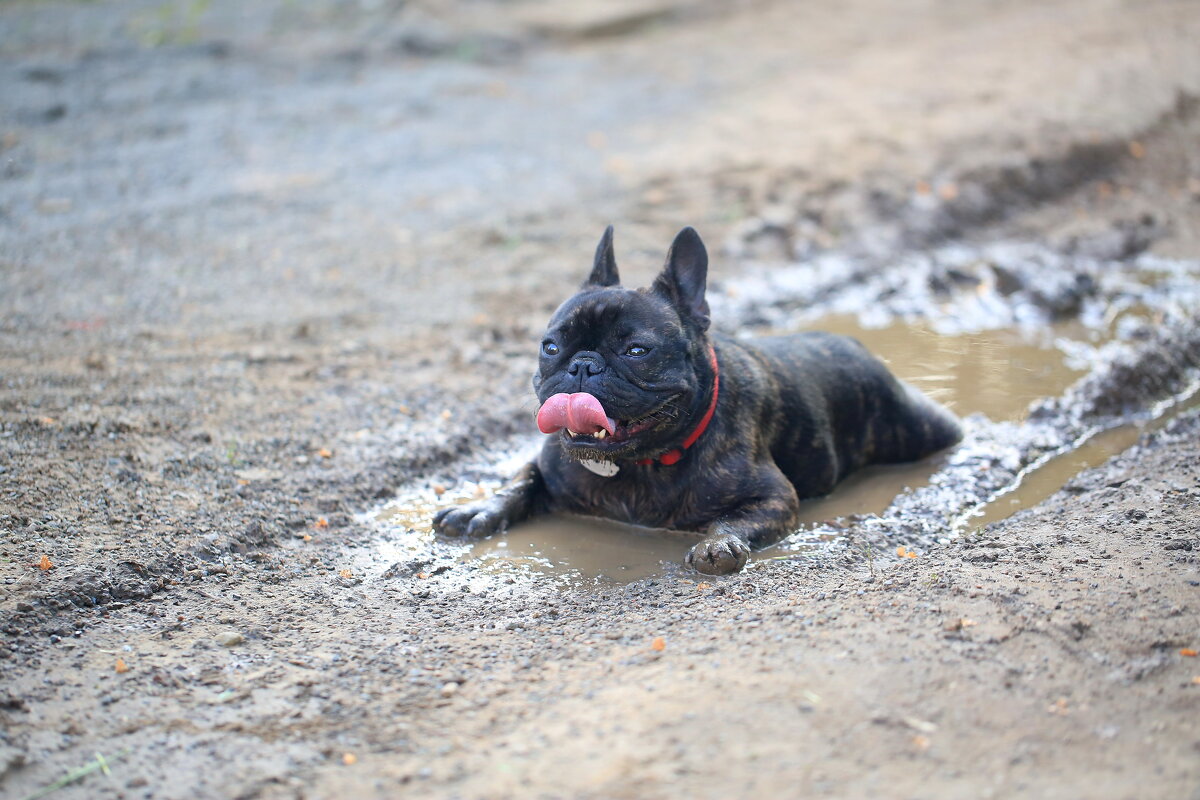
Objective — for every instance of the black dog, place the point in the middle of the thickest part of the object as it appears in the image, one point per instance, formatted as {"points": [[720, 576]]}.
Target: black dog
{"points": [[657, 423]]}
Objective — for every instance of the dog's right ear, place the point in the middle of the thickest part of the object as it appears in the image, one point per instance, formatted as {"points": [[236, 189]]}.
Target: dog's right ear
{"points": [[604, 269], [684, 277]]}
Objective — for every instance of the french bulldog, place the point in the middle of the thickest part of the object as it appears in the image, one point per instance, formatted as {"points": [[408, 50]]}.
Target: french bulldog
{"points": [[654, 421]]}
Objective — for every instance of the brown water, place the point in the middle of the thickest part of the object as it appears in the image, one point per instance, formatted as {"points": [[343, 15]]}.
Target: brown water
{"points": [[595, 548], [1044, 480], [997, 373]]}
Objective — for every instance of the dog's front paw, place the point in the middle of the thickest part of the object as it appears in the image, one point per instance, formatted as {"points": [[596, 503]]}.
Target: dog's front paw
{"points": [[719, 554], [476, 519]]}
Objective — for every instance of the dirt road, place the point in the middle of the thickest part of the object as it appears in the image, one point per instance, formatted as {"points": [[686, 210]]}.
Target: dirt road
{"points": [[263, 271]]}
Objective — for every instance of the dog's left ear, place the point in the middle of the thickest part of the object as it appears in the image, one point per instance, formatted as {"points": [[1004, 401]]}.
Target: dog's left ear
{"points": [[685, 275], [604, 268]]}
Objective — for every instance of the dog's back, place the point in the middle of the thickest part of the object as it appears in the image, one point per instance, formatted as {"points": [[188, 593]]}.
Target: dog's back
{"points": [[841, 409]]}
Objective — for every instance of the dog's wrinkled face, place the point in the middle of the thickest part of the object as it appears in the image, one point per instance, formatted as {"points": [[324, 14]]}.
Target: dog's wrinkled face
{"points": [[621, 371]]}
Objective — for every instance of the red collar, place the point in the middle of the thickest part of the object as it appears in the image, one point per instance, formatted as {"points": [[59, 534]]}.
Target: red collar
{"points": [[672, 456]]}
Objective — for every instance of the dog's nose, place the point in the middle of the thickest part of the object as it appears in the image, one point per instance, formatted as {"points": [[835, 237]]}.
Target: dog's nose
{"points": [[588, 363]]}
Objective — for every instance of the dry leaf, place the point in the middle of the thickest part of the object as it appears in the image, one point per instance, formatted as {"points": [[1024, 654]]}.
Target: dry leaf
{"points": [[422, 575], [658, 644], [900, 551], [1187, 651], [321, 523], [121, 667], [446, 414], [438, 489], [347, 574], [325, 452], [921, 743], [1196, 680], [349, 759], [45, 563], [958, 624], [702, 585], [308, 537]]}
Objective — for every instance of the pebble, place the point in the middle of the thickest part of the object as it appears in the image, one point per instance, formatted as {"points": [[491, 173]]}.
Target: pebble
{"points": [[449, 689], [229, 638]]}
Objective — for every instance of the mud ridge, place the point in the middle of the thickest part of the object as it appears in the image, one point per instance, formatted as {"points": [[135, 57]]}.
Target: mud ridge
{"points": [[882, 215], [1130, 379]]}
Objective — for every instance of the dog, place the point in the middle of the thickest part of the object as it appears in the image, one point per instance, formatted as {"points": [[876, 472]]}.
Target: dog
{"points": [[654, 421]]}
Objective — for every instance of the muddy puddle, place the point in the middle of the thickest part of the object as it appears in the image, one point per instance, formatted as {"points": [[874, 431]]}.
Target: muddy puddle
{"points": [[1020, 352], [592, 549], [993, 374], [1047, 475]]}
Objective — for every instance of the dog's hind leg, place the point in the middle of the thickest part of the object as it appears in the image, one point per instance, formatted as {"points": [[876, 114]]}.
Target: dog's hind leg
{"points": [[921, 427]]}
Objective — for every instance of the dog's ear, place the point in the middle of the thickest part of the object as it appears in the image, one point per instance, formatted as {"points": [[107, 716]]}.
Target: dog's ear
{"points": [[604, 268], [684, 277]]}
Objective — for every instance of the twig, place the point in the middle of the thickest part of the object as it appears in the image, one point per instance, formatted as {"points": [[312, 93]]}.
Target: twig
{"points": [[100, 763]]}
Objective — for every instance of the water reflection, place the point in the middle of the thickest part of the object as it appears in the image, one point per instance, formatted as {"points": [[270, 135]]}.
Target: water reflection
{"points": [[996, 373], [605, 550]]}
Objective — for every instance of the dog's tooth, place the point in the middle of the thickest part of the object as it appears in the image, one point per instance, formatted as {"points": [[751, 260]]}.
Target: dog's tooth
{"points": [[600, 434]]}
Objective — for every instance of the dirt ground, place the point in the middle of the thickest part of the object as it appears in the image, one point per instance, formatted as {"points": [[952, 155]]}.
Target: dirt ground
{"points": [[263, 270]]}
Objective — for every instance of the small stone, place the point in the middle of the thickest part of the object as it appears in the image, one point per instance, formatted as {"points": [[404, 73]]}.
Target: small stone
{"points": [[449, 689], [229, 638]]}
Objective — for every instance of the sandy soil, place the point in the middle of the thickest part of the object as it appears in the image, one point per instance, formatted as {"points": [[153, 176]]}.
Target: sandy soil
{"points": [[260, 271]]}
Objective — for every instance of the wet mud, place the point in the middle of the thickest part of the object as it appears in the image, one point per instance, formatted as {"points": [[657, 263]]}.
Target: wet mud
{"points": [[271, 277]]}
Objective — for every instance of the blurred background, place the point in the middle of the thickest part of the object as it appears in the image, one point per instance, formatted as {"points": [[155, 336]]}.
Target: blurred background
{"points": [[323, 163]]}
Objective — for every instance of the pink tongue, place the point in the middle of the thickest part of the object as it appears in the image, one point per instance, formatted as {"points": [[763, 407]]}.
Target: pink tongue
{"points": [[579, 413]]}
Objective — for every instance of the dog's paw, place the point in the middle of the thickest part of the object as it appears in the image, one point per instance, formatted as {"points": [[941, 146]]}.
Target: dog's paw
{"points": [[476, 519], [719, 554]]}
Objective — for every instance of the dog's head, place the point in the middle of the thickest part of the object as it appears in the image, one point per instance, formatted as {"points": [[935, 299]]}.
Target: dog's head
{"points": [[624, 372]]}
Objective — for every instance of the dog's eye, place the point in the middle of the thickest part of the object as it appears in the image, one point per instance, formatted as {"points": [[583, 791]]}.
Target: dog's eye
{"points": [[550, 348], [636, 350]]}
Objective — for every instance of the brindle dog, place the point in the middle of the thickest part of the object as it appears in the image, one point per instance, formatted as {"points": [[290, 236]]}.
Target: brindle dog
{"points": [[654, 421]]}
